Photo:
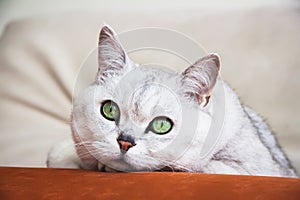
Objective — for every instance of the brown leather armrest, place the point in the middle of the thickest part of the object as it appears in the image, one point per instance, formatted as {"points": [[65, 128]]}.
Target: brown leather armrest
{"points": [[28, 183]]}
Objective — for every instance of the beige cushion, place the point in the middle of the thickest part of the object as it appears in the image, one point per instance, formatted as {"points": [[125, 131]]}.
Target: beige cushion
{"points": [[40, 59]]}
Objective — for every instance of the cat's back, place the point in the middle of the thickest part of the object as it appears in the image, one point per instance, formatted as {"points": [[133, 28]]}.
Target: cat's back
{"points": [[268, 139]]}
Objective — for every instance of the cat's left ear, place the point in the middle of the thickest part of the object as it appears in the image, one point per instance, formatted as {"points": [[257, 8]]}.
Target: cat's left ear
{"points": [[199, 79], [112, 59]]}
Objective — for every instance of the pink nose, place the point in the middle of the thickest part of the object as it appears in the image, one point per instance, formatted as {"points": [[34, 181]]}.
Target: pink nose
{"points": [[125, 142], [124, 145]]}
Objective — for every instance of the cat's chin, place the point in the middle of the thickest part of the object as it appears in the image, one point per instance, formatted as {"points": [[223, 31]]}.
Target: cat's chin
{"points": [[127, 165], [126, 162], [123, 166]]}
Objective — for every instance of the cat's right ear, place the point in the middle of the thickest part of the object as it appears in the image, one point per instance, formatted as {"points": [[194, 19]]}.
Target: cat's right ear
{"points": [[199, 79], [112, 59]]}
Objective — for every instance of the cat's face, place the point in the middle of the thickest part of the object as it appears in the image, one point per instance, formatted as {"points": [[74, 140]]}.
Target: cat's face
{"points": [[131, 115]]}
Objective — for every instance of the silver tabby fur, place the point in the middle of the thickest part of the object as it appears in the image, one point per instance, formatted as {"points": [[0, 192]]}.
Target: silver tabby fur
{"points": [[246, 146]]}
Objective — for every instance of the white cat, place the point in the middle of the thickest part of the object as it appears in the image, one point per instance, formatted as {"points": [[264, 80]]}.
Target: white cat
{"points": [[119, 126]]}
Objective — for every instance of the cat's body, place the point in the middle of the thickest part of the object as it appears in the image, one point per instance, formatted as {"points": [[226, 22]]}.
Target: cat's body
{"points": [[131, 140]]}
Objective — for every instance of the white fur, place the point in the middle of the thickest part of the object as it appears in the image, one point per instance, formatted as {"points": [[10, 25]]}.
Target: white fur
{"points": [[63, 155], [246, 145]]}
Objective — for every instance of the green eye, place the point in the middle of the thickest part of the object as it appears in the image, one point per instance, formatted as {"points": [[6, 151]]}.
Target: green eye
{"points": [[161, 125], [110, 110]]}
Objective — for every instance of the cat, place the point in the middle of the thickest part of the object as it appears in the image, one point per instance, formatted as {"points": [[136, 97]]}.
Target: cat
{"points": [[115, 131]]}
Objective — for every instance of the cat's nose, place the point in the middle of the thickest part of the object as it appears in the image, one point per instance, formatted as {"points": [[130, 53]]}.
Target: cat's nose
{"points": [[125, 142]]}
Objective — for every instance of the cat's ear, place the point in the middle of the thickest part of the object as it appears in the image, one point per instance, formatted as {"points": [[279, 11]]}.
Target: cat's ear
{"points": [[112, 59], [199, 79]]}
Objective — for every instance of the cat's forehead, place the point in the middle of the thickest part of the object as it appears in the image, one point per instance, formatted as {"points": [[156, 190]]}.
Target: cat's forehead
{"points": [[153, 96], [143, 81], [148, 91], [149, 74]]}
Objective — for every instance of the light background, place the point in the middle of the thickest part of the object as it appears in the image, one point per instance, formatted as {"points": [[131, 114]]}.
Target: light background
{"points": [[16, 9], [261, 64]]}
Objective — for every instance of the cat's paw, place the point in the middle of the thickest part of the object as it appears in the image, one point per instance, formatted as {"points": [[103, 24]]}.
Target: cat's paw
{"points": [[63, 155]]}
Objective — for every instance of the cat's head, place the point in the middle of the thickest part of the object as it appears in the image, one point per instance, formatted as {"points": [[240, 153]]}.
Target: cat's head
{"points": [[131, 115]]}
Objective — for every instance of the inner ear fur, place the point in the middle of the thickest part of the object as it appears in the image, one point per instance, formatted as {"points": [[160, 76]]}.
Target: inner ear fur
{"points": [[199, 79]]}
